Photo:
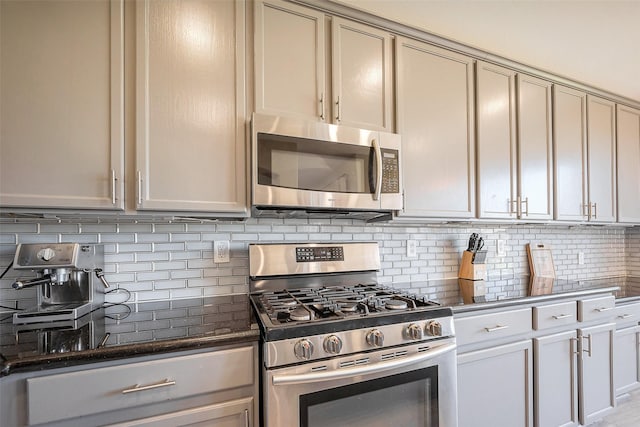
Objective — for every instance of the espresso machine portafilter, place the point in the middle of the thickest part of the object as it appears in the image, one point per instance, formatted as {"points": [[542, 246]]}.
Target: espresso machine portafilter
{"points": [[70, 277]]}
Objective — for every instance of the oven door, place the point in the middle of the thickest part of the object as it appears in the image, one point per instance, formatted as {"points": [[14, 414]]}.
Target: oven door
{"points": [[406, 386], [311, 165]]}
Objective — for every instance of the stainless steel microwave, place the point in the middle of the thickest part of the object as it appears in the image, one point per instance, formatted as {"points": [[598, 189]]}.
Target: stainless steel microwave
{"points": [[306, 168]]}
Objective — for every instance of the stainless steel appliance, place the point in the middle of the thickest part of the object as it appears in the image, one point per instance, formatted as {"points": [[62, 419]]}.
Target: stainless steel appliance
{"points": [[339, 349], [70, 279], [304, 168]]}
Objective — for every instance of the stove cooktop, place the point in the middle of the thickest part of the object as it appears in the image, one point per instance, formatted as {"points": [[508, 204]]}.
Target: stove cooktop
{"points": [[291, 313]]}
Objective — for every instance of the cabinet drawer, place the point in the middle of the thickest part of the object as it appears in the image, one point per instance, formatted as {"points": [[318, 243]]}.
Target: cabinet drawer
{"points": [[68, 395], [490, 326], [550, 316], [596, 308], [627, 313]]}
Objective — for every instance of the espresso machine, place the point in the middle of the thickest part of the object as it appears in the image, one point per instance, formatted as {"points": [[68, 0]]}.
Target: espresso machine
{"points": [[70, 278]]}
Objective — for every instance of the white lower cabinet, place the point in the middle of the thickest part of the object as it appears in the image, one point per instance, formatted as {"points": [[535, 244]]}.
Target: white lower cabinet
{"points": [[626, 360], [214, 387], [495, 387], [595, 366], [556, 379]]}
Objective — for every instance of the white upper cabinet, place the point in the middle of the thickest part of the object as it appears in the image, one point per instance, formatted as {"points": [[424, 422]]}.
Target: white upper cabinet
{"points": [[62, 84], [497, 155], [361, 76], [190, 152], [435, 110], [628, 139], [601, 149], [290, 60], [570, 142], [515, 166], [585, 156], [535, 148], [293, 60]]}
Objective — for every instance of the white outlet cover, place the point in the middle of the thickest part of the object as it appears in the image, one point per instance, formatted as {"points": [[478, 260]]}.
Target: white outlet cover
{"points": [[412, 248], [221, 251], [581, 258], [501, 249]]}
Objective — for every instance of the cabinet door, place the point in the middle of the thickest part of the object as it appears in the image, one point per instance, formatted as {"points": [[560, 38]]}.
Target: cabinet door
{"points": [[556, 380], [535, 148], [601, 142], [595, 366], [495, 386], [235, 413], [191, 106], [626, 360], [496, 141], [62, 84], [289, 60], [361, 76], [436, 119], [570, 156], [628, 139]]}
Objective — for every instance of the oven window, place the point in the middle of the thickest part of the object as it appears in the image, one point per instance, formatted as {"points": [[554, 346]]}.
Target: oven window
{"points": [[408, 400], [315, 165]]}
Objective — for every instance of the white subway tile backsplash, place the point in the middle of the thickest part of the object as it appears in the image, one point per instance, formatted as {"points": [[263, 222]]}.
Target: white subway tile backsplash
{"points": [[157, 261]]}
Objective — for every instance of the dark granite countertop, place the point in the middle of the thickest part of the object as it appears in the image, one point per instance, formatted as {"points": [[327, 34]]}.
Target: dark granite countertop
{"points": [[127, 330], [623, 288]]}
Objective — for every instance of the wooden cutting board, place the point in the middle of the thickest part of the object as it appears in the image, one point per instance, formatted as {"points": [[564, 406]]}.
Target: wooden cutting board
{"points": [[543, 271]]}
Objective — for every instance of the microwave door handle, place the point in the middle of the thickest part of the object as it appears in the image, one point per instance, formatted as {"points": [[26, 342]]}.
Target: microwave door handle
{"points": [[378, 154]]}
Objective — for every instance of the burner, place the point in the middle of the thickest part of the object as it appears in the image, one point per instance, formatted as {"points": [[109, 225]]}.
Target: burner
{"points": [[396, 304], [300, 314], [350, 307]]}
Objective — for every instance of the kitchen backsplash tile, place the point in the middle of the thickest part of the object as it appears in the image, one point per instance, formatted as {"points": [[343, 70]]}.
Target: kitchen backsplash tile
{"points": [[160, 261]]}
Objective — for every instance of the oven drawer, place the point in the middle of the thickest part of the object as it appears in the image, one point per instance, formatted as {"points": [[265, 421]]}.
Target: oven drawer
{"points": [[601, 308], [91, 391], [553, 315], [485, 327]]}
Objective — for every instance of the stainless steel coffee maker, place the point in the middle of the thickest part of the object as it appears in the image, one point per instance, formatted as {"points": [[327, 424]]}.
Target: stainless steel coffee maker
{"points": [[70, 277]]}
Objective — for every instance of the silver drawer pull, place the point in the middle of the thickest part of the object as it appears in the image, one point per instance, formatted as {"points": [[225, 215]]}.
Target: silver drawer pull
{"points": [[561, 316], [600, 310], [138, 387], [496, 328], [625, 316]]}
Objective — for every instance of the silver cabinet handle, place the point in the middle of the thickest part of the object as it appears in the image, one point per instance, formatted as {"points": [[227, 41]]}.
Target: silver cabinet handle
{"points": [[586, 210], [601, 309], [246, 418], [588, 337], [496, 328], [513, 203], [595, 211], [322, 106], [339, 115], [363, 369], [526, 204], [113, 186], [625, 316], [574, 346], [378, 153], [561, 316], [139, 188], [138, 387]]}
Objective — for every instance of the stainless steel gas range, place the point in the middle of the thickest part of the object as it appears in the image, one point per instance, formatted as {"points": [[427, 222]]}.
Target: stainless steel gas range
{"points": [[340, 349]]}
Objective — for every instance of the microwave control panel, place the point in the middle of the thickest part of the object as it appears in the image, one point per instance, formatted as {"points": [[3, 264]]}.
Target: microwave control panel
{"points": [[390, 171]]}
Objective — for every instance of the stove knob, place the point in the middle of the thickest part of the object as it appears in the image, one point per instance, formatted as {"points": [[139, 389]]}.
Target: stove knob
{"points": [[332, 344], [303, 349], [375, 338], [414, 332], [434, 328]]}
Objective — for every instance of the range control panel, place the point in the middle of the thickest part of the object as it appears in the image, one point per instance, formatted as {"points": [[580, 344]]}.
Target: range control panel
{"points": [[325, 253]]}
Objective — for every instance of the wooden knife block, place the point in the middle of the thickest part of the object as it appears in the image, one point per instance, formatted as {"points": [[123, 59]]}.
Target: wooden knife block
{"points": [[472, 274]]}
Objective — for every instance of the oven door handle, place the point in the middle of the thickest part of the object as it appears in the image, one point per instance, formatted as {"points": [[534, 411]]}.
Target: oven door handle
{"points": [[363, 369], [378, 153]]}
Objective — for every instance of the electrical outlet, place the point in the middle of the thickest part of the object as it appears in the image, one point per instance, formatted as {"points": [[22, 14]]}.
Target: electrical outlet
{"points": [[501, 249], [220, 251], [581, 258], [412, 248]]}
